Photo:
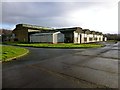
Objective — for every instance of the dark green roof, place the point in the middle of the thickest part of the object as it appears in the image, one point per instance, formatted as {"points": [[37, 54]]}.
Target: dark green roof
{"points": [[60, 29], [68, 29], [34, 26]]}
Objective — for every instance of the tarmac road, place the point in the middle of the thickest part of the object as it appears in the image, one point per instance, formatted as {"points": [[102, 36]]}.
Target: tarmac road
{"points": [[64, 68]]}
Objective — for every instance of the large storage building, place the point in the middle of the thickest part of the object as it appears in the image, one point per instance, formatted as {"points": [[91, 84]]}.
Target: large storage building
{"points": [[22, 32], [33, 33]]}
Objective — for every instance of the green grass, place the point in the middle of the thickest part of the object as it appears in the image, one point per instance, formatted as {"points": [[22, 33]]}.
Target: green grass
{"points": [[8, 52], [60, 45], [111, 41]]}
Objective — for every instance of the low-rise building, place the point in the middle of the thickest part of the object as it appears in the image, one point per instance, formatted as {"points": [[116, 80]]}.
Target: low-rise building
{"points": [[22, 32], [72, 35], [56, 37], [33, 33]]}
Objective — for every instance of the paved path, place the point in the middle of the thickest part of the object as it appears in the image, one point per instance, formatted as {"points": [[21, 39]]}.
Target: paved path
{"points": [[64, 68]]}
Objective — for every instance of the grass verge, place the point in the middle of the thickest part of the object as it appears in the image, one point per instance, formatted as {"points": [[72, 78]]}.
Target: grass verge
{"points": [[11, 52], [60, 45], [112, 41]]}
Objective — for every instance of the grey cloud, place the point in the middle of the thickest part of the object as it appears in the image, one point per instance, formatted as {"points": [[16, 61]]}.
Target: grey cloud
{"points": [[40, 13]]}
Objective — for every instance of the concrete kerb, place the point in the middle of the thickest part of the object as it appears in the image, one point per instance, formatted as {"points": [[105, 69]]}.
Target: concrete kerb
{"points": [[15, 57]]}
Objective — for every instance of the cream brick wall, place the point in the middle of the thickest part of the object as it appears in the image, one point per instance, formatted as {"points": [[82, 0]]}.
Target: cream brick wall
{"points": [[105, 38], [101, 37], [77, 38], [91, 36], [98, 36], [82, 38]]}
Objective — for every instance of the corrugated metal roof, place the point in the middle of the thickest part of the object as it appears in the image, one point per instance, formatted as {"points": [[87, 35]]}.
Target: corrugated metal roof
{"points": [[34, 26], [67, 29]]}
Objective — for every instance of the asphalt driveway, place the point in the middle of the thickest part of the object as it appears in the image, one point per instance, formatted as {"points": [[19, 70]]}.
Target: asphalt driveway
{"points": [[64, 68]]}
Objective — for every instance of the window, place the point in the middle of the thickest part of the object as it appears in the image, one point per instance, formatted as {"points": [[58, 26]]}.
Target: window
{"points": [[99, 39], [90, 39], [95, 38], [85, 39]]}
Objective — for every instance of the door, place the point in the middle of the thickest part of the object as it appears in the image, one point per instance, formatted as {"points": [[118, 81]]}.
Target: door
{"points": [[80, 38]]}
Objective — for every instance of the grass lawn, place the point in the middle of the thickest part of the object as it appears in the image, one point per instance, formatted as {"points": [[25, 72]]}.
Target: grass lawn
{"points": [[8, 52], [60, 45], [112, 41]]}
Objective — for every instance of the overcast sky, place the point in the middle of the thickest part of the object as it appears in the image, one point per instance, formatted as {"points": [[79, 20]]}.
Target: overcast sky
{"points": [[97, 16]]}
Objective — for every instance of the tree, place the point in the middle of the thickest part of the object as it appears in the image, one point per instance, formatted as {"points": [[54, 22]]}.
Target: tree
{"points": [[5, 34], [113, 36]]}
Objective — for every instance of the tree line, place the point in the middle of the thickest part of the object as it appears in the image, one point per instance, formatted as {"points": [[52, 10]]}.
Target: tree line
{"points": [[113, 36], [5, 34]]}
